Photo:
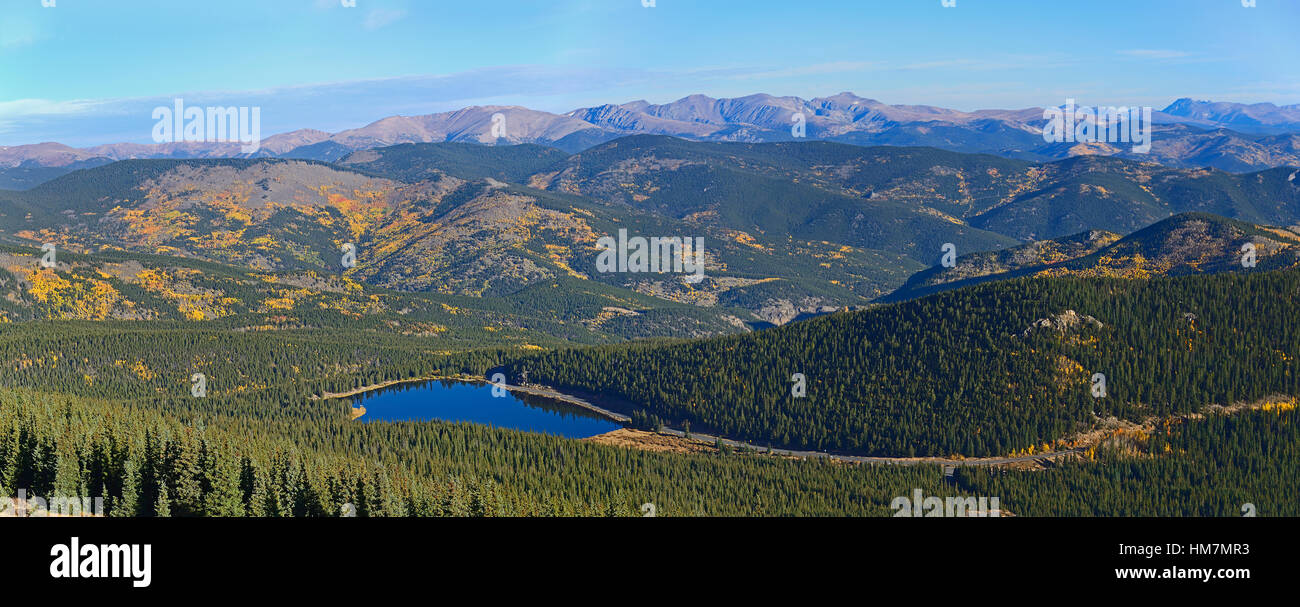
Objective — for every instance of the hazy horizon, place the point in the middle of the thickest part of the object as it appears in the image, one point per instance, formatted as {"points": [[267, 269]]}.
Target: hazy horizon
{"points": [[72, 72]]}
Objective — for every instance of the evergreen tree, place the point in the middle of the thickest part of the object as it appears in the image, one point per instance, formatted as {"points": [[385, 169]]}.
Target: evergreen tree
{"points": [[164, 507], [127, 504], [225, 498]]}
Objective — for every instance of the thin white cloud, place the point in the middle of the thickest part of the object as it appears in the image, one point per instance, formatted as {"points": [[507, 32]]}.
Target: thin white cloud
{"points": [[381, 17], [1003, 62], [1276, 92], [836, 67], [15, 32], [44, 107], [1153, 53]]}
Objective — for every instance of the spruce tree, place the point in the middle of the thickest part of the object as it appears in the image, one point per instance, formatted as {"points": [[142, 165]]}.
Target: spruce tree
{"points": [[163, 508], [127, 504], [225, 497]]}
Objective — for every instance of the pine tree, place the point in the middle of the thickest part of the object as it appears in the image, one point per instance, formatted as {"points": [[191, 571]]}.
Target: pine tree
{"points": [[163, 508], [225, 498], [187, 473], [258, 499], [127, 505], [67, 479]]}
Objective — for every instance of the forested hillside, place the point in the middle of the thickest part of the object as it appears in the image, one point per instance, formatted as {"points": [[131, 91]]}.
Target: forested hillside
{"points": [[791, 229], [472, 259], [414, 162], [975, 194], [991, 369], [1188, 243], [147, 461], [114, 286]]}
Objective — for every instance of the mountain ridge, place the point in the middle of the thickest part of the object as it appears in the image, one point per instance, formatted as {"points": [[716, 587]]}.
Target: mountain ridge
{"points": [[793, 228], [1229, 136], [1186, 243]]}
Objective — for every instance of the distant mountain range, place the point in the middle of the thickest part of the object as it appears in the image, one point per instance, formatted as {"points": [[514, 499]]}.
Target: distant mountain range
{"points": [[1249, 118], [1187, 134]]}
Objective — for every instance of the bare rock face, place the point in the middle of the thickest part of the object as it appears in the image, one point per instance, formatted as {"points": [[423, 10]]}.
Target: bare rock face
{"points": [[778, 312], [782, 311], [1065, 322]]}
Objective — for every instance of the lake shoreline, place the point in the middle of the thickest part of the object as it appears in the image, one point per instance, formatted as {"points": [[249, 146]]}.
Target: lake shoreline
{"points": [[553, 394], [534, 390], [391, 383]]}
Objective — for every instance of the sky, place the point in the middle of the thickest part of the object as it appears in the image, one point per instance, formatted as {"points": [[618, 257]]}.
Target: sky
{"points": [[85, 72]]}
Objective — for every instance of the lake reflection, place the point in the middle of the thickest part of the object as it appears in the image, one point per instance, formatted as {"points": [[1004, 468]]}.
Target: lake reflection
{"points": [[456, 401]]}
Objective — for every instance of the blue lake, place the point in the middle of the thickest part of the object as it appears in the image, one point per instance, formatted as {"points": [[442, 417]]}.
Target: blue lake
{"points": [[456, 401]]}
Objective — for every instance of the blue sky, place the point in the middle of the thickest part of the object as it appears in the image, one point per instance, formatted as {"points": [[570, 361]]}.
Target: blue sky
{"points": [[90, 71]]}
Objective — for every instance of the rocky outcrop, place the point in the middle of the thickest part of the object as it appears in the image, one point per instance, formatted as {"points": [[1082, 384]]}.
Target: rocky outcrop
{"points": [[1068, 321]]}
